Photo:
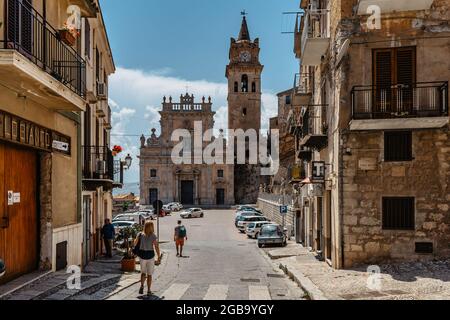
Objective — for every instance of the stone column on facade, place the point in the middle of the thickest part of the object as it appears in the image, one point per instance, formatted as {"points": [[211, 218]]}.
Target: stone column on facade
{"points": [[197, 190], [46, 214]]}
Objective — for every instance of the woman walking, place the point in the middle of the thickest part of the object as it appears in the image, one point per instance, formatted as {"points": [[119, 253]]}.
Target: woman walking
{"points": [[147, 245]]}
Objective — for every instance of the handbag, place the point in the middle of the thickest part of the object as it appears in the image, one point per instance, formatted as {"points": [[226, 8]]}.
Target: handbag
{"points": [[137, 247]]}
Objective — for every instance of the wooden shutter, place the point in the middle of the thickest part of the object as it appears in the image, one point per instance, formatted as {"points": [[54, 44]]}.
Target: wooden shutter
{"points": [[383, 68], [87, 38], [27, 26], [405, 65], [398, 213], [398, 146]]}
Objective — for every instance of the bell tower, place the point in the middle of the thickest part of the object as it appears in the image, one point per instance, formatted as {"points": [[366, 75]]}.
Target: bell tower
{"points": [[244, 82], [244, 106]]}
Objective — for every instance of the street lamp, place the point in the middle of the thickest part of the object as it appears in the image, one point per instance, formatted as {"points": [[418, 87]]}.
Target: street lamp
{"points": [[128, 161]]}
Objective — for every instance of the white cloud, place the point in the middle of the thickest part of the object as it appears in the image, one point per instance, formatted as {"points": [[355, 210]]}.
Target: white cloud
{"points": [[136, 98]]}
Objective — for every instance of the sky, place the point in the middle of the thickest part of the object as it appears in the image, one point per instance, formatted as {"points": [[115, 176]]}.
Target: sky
{"points": [[163, 47]]}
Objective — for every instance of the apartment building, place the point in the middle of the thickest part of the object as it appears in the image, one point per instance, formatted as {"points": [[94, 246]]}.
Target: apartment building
{"points": [[49, 70], [102, 172], [372, 129]]}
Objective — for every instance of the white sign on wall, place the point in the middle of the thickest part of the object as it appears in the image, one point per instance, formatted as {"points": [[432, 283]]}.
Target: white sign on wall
{"points": [[16, 197]]}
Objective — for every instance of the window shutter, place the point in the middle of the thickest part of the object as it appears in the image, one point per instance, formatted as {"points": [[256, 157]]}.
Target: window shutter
{"points": [[405, 66], [383, 69], [87, 38]]}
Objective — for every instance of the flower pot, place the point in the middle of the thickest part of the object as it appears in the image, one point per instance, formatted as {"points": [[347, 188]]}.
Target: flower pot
{"points": [[67, 37], [128, 265]]}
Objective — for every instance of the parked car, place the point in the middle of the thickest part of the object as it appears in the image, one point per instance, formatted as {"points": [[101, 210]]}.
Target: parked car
{"points": [[246, 208], [135, 217], [242, 223], [175, 206], [167, 209], [149, 214], [254, 228], [192, 213], [271, 234], [244, 214]]}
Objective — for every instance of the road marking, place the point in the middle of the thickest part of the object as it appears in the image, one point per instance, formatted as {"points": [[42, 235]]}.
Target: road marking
{"points": [[217, 292], [259, 293], [175, 291]]}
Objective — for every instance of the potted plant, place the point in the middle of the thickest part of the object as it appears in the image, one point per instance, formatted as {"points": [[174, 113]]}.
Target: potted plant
{"points": [[116, 150], [129, 235], [68, 35]]}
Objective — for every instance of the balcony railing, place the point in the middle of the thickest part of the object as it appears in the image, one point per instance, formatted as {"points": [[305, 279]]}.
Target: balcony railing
{"points": [[314, 132], [425, 99], [26, 31], [303, 83], [98, 163], [315, 36], [187, 107]]}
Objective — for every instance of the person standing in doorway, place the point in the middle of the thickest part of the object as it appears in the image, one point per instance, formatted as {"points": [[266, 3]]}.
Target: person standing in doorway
{"points": [[180, 237], [147, 243], [108, 234]]}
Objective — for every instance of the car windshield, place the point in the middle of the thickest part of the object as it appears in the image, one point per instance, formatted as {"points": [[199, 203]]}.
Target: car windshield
{"points": [[251, 225], [269, 231]]}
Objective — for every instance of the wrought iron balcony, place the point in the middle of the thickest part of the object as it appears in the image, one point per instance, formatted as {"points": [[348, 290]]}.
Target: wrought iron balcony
{"points": [[314, 131], [28, 32], [295, 120], [98, 163], [417, 100], [315, 36]]}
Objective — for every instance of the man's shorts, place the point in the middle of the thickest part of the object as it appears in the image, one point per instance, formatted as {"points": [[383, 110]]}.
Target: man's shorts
{"points": [[147, 266], [180, 242]]}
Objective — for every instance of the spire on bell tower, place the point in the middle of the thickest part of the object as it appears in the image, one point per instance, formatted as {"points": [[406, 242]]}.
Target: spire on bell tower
{"points": [[244, 34]]}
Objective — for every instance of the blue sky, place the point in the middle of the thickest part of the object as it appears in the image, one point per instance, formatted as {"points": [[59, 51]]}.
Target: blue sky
{"points": [[162, 46]]}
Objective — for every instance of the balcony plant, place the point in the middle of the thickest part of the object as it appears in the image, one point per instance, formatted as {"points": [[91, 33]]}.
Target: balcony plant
{"points": [[116, 150], [68, 34], [128, 235]]}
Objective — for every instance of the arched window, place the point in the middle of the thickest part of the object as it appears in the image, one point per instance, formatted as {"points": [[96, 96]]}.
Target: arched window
{"points": [[244, 83], [236, 87], [253, 86], [244, 112]]}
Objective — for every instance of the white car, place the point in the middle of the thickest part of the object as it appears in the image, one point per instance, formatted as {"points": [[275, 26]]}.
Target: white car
{"points": [[242, 223], [119, 225], [175, 206], [254, 228], [192, 213]]}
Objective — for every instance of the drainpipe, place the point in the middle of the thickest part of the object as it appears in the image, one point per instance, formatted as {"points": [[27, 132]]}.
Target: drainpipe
{"points": [[341, 194]]}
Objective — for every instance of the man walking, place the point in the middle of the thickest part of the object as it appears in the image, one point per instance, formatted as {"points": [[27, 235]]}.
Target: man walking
{"points": [[108, 234], [179, 237]]}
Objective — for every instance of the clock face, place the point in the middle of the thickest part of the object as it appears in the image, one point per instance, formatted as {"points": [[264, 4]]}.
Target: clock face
{"points": [[245, 56]]}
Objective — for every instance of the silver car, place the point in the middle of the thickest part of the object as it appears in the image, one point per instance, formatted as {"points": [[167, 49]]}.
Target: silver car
{"points": [[254, 228]]}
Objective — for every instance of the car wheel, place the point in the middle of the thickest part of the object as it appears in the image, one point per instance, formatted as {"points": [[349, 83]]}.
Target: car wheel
{"points": [[256, 236], [260, 245], [189, 216]]}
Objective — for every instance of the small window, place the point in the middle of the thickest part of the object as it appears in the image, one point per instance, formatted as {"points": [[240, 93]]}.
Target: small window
{"points": [[399, 213], [236, 87], [253, 87], [244, 83], [153, 173], [398, 146], [220, 173], [244, 112], [288, 100]]}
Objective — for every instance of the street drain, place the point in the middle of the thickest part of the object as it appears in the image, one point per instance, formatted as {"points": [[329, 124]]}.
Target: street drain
{"points": [[251, 280], [280, 276]]}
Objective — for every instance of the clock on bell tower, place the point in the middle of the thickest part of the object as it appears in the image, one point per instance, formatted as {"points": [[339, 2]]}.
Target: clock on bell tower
{"points": [[244, 82]]}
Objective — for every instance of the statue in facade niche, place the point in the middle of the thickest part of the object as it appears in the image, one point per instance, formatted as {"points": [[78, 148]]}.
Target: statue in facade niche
{"points": [[142, 141], [153, 140]]}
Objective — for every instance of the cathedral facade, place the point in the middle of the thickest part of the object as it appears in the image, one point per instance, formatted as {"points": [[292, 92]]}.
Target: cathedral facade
{"points": [[190, 184], [202, 184]]}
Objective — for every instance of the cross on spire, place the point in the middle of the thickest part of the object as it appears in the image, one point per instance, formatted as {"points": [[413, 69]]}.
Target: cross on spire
{"points": [[244, 34], [244, 13]]}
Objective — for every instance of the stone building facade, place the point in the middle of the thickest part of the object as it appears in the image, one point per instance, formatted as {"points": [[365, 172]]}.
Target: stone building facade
{"points": [[194, 183], [244, 106], [372, 115]]}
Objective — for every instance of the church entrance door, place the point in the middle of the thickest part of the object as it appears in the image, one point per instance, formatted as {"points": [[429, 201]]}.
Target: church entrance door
{"points": [[187, 192]]}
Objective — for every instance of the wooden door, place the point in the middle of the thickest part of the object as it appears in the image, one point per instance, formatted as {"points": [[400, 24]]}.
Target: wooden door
{"points": [[187, 192], [220, 197], [19, 232]]}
